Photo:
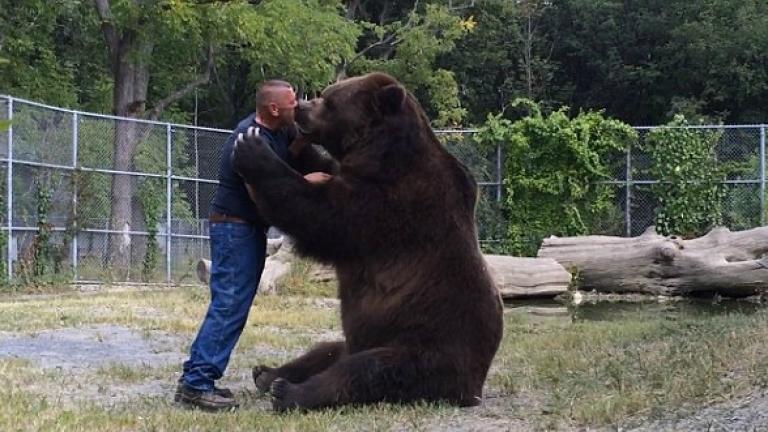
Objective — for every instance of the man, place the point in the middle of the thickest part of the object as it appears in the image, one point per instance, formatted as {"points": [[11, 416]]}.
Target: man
{"points": [[238, 250]]}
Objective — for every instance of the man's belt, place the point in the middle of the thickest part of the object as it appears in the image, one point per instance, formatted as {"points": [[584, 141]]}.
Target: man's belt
{"points": [[219, 218]]}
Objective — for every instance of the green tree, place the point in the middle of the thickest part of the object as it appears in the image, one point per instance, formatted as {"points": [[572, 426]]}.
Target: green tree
{"points": [[644, 61], [166, 41], [29, 33], [407, 46], [718, 57], [506, 56]]}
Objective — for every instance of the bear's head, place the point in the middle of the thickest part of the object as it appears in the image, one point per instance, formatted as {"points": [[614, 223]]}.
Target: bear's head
{"points": [[355, 109]]}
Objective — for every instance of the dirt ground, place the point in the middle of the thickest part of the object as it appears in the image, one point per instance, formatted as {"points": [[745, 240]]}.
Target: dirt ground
{"points": [[748, 413]]}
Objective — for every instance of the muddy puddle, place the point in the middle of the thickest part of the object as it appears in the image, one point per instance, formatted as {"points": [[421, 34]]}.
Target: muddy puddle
{"points": [[617, 308]]}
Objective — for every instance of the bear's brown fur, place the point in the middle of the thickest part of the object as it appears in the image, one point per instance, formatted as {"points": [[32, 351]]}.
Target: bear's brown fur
{"points": [[421, 316]]}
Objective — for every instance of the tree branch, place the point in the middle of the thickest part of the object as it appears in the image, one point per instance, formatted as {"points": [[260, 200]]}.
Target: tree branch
{"points": [[391, 40], [353, 7], [224, 92], [380, 42], [174, 97], [108, 28]]}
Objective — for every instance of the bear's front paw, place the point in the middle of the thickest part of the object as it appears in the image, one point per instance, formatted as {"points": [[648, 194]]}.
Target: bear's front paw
{"points": [[263, 376], [251, 154], [283, 396]]}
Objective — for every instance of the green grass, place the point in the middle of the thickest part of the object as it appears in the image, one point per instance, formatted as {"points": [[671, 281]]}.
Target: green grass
{"points": [[297, 282], [122, 373], [603, 372], [549, 373], [36, 414]]}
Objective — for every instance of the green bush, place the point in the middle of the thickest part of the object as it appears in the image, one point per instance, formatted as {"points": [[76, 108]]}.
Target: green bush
{"points": [[554, 165], [689, 191]]}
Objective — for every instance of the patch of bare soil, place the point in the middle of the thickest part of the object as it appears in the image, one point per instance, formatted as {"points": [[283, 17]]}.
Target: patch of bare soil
{"points": [[85, 349], [73, 356], [748, 413]]}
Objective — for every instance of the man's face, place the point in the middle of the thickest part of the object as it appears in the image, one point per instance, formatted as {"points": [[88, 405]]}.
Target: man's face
{"points": [[283, 106]]}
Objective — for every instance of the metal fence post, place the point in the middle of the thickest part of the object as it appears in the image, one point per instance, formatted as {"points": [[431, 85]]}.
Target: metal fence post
{"points": [[628, 193], [199, 227], [75, 121], [169, 188], [762, 174], [9, 191], [499, 177]]}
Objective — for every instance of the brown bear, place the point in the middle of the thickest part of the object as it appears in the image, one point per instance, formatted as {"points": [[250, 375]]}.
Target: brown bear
{"points": [[421, 317]]}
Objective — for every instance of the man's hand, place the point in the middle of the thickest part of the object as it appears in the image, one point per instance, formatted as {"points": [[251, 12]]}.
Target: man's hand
{"points": [[298, 145], [317, 177]]}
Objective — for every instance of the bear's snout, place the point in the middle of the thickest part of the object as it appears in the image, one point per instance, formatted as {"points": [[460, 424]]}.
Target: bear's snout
{"points": [[302, 116]]}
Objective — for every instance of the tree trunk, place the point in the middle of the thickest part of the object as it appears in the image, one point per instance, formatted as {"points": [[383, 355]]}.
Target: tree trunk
{"points": [[129, 98], [729, 263]]}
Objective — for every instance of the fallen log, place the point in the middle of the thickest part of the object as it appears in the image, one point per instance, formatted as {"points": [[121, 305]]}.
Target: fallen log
{"points": [[516, 278], [278, 262], [520, 278], [724, 262]]}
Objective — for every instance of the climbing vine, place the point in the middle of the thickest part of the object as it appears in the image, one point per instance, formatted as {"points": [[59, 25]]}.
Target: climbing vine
{"points": [[151, 200], [554, 168], [42, 249], [3, 236], [689, 191]]}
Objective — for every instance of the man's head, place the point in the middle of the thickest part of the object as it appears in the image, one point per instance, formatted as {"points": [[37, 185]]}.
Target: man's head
{"points": [[275, 104]]}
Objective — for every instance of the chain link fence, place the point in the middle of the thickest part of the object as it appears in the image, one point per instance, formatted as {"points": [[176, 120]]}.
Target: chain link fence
{"points": [[739, 154], [96, 198], [99, 198]]}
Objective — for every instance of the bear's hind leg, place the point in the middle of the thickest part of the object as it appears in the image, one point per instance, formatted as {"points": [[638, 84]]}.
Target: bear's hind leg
{"points": [[386, 374], [317, 359]]}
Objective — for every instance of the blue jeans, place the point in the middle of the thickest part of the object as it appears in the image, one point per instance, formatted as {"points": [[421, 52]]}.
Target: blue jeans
{"points": [[237, 260]]}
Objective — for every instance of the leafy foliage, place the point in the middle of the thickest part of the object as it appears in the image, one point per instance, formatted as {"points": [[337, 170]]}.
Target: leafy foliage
{"points": [[42, 251], [415, 42], [32, 66], [689, 189], [301, 41], [152, 203], [41, 260], [553, 167], [640, 61]]}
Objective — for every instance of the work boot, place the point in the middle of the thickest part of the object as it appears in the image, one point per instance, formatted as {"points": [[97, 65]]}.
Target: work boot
{"points": [[211, 400], [221, 391], [224, 392]]}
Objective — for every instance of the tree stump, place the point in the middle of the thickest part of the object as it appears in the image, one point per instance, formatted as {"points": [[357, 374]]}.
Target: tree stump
{"points": [[724, 262]]}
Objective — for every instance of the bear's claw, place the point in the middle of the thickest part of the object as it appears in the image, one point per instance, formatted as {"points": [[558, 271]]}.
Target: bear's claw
{"points": [[281, 399], [263, 377]]}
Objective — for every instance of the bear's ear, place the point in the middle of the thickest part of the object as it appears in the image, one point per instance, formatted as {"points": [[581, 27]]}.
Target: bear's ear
{"points": [[391, 99]]}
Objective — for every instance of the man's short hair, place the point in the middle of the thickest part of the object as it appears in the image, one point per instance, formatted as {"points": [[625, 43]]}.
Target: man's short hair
{"points": [[265, 94]]}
